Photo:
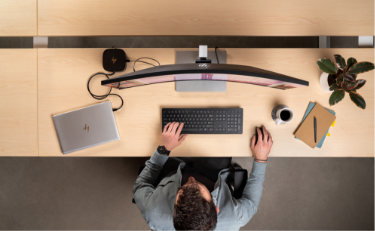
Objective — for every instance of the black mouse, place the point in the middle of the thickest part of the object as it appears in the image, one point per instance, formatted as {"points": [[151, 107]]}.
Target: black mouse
{"points": [[256, 134]]}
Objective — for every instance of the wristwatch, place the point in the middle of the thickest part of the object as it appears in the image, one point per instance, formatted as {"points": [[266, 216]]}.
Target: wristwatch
{"points": [[162, 150]]}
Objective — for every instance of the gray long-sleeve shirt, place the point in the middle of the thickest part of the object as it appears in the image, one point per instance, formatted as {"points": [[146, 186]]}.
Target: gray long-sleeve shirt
{"points": [[156, 203]]}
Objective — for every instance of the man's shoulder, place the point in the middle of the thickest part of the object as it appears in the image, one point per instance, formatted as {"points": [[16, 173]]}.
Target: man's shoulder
{"points": [[162, 200], [159, 220], [158, 213], [231, 210]]}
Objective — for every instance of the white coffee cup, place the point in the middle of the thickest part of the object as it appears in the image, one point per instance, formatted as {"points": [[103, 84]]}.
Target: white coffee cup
{"points": [[282, 114]]}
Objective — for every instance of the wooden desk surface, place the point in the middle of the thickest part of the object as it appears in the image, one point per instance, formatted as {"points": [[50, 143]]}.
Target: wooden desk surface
{"points": [[18, 18], [203, 18], [63, 75], [18, 102]]}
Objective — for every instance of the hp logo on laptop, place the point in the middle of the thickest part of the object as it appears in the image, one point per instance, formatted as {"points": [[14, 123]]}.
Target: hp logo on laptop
{"points": [[204, 65]]}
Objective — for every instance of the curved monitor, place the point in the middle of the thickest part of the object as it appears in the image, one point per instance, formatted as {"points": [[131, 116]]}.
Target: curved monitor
{"points": [[205, 71]]}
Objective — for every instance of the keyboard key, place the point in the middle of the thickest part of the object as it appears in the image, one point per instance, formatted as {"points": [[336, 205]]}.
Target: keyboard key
{"points": [[189, 130]]}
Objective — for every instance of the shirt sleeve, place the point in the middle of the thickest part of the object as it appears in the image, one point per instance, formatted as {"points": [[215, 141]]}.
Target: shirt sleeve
{"points": [[145, 184], [252, 192]]}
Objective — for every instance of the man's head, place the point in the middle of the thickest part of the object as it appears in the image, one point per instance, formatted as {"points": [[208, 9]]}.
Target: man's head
{"points": [[194, 208]]}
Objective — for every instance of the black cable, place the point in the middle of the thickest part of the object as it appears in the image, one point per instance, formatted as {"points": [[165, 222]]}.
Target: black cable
{"points": [[101, 97], [146, 63], [138, 60], [217, 58]]}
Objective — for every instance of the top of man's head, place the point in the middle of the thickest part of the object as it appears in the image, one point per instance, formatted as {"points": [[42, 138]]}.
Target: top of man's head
{"points": [[192, 211]]}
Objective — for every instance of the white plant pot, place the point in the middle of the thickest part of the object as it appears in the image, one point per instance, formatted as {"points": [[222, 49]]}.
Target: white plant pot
{"points": [[324, 82]]}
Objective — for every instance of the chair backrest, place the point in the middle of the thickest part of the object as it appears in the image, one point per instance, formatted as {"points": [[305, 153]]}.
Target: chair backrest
{"points": [[236, 181]]}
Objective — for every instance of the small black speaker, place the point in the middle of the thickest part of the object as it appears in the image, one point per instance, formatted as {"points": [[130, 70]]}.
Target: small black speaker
{"points": [[114, 60]]}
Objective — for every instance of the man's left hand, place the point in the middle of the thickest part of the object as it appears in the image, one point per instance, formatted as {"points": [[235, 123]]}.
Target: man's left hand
{"points": [[170, 138]]}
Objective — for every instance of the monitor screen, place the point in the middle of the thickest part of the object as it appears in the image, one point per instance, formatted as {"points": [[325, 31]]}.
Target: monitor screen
{"points": [[206, 71]]}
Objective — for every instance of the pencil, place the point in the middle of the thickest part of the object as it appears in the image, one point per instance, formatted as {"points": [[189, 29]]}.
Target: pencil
{"points": [[315, 128]]}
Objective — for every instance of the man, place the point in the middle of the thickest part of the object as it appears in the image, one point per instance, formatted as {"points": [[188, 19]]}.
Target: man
{"points": [[180, 201]]}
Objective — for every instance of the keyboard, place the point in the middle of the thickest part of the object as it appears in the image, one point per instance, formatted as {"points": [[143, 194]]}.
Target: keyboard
{"points": [[205, 120]]}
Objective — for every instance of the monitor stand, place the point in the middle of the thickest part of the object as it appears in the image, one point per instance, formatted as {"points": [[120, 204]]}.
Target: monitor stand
{"points": [[200, 85]]}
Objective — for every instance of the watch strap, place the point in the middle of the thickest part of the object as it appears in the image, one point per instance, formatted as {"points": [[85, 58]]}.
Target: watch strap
{"points": [[162, 150]]}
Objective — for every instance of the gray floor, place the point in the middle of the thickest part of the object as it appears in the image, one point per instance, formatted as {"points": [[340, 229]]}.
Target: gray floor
{"points": [[95, 193]]}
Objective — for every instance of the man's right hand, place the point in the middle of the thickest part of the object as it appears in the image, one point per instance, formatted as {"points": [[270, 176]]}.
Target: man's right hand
{"points": [[262, 148], [171, 135]]}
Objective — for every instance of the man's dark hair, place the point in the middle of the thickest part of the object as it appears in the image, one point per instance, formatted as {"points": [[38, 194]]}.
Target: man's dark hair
{"points": [[192, 211]]}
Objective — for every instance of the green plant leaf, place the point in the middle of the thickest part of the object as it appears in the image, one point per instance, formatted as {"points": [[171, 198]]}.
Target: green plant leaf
{"points": [[357, 99], [360, 83], [350, 63], [336, 97], [327, 66], [340, 61], [345, 86], [350, 77], [361, 67], [340, 80], [352, 85], [348, 86], [333, 87], [339, 72]]}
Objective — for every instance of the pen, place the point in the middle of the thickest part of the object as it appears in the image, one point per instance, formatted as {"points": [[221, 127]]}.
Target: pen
{"points": [[315, 128]]}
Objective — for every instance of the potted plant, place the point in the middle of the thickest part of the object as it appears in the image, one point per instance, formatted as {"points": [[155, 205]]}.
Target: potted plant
{"points": [[343, 78]]}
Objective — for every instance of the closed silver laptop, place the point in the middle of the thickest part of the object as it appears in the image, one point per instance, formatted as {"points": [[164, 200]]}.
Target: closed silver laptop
{"points": [[86, 127]]}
